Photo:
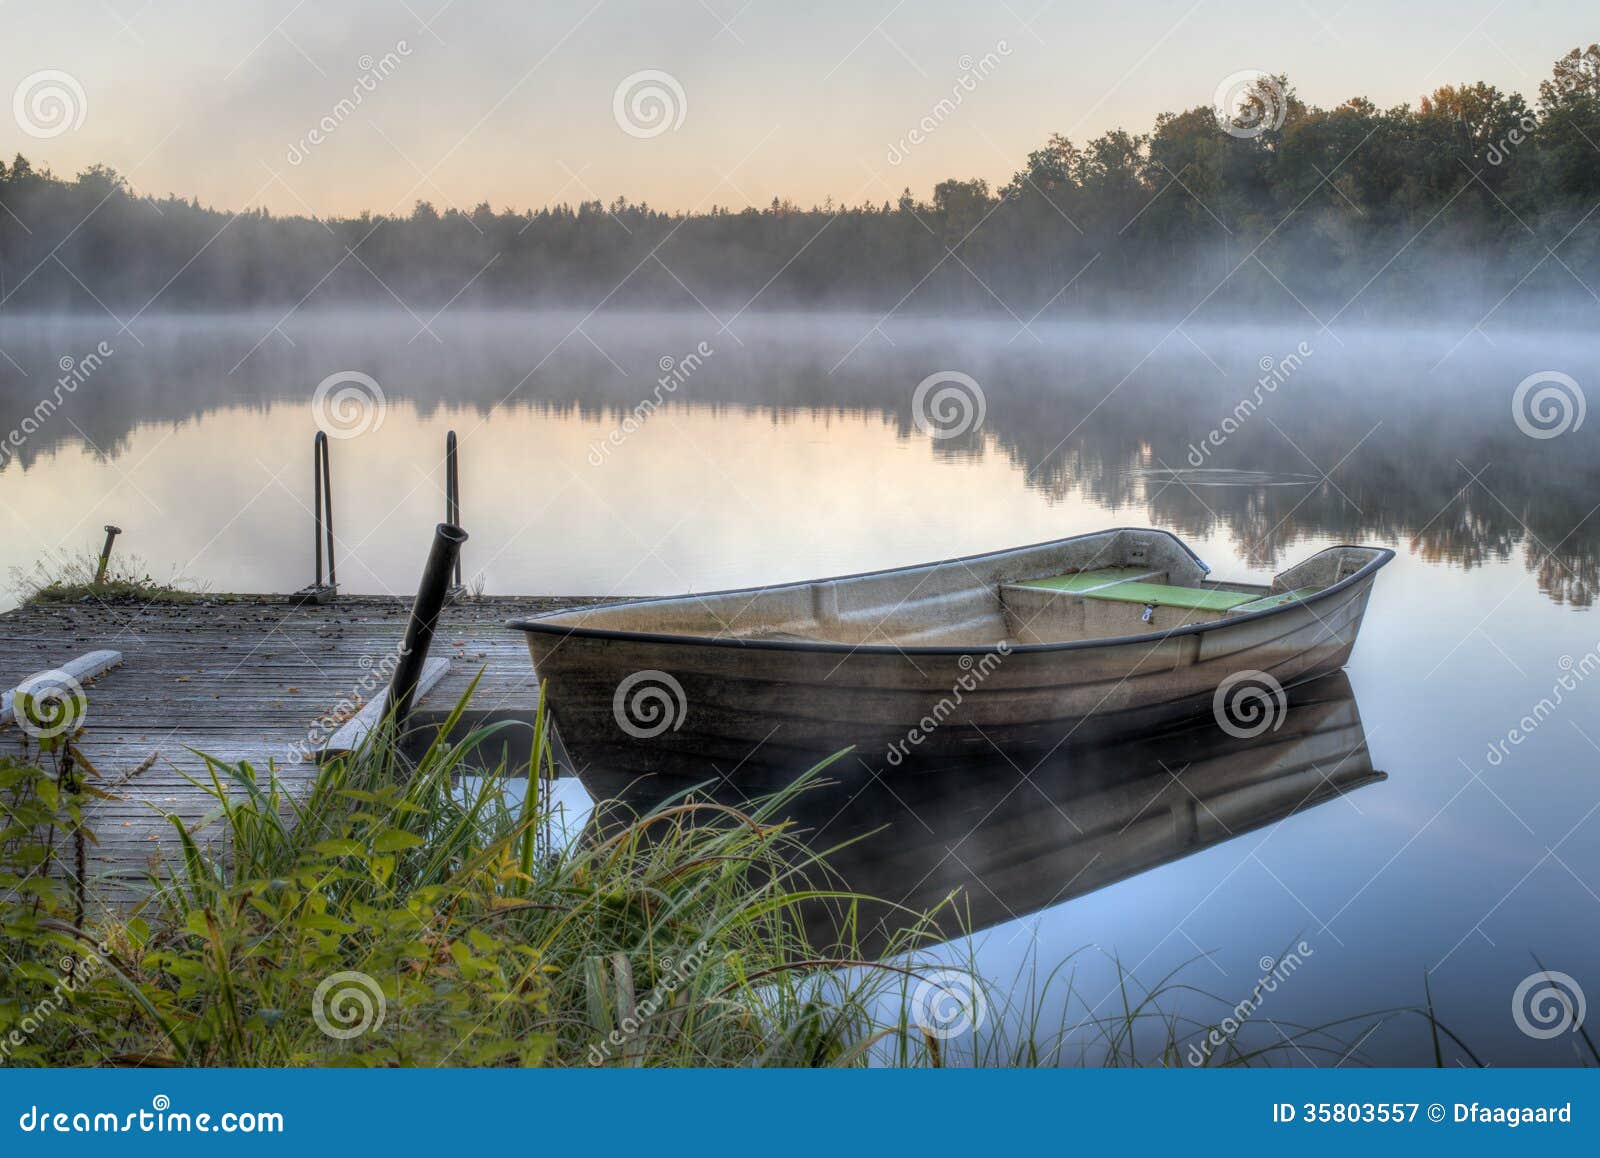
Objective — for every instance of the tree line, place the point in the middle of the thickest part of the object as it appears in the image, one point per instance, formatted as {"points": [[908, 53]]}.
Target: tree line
{"points": [[1473, 195]]}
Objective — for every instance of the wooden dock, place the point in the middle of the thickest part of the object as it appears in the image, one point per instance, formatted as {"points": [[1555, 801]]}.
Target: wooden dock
{"points": [[239, 678]]}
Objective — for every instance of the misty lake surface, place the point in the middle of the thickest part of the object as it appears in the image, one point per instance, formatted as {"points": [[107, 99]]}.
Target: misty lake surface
{"points": [[790, 447]]}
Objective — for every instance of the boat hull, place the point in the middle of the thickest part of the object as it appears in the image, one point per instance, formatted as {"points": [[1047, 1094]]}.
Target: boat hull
{"points": [[707, 707]]}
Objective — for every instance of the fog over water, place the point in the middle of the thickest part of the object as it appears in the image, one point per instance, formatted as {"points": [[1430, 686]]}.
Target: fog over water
{"points": [[1405, 434], [787, 446]]}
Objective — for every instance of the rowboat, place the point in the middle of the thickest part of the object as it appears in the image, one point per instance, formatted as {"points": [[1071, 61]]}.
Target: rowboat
{"points": [[1033, 647]]}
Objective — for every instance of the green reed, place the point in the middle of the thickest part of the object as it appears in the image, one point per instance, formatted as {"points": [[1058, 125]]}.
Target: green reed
{"points": [[401, 912]]}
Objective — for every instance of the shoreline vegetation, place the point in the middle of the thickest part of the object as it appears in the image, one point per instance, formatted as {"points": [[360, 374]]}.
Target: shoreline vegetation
{"points": [[76, 579], [403, 913], [1459, 199]]}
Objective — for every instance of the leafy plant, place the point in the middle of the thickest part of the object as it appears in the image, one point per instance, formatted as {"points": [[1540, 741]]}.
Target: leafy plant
{"points": [[402, 912]]}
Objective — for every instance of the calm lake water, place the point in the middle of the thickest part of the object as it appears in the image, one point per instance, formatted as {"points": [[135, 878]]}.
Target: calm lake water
{"points": [[793, 447]]}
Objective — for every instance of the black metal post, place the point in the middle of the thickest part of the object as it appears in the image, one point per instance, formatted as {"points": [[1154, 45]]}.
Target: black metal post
{"points": [[105, 554], [431, 591]]}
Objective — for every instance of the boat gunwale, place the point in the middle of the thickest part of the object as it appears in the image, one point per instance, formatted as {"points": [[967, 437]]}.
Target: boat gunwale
{"points": [[541, 625]]}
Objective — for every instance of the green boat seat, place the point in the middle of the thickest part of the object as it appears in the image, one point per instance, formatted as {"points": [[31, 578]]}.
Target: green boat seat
{"points": [[1139, 585], [1163, 595], [1268, 602]]}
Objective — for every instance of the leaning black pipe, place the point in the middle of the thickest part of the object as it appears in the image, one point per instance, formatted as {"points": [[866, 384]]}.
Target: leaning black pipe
{"points": [[447, 540]]}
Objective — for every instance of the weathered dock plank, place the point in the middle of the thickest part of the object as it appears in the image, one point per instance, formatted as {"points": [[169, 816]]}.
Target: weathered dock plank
{"points": [[239, 678]]}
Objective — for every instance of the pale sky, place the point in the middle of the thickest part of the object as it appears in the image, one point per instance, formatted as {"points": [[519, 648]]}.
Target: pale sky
{"points": [[513, 103]]}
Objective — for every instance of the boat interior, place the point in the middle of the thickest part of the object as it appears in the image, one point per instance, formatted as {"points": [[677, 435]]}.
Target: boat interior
{"points": [[1099, 586]]}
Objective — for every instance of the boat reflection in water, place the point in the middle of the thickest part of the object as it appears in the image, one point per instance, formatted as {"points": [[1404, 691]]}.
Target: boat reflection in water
{"points": [[1009, 845]]}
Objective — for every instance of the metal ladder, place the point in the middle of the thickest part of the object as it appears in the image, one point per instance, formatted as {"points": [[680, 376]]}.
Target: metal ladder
{"points": [[322, 526], [452, 510], [320, 591]]}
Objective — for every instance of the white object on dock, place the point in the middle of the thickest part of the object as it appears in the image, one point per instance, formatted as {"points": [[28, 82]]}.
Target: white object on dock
{"points": [[77, 671], [354, 730]]}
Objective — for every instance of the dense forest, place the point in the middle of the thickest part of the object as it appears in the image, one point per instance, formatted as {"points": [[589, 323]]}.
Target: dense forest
{"points": [[1472, 197]]}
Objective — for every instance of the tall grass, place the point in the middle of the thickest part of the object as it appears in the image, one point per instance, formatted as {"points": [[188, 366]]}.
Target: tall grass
{"points": [[459, 931], [75, 578], [403, 913]]}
